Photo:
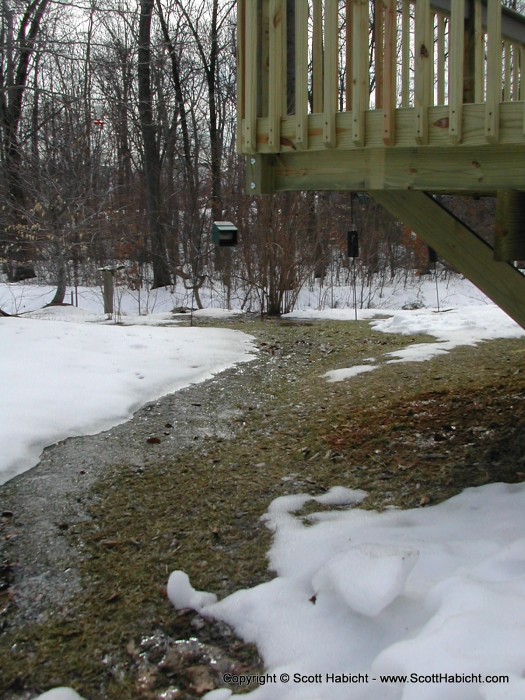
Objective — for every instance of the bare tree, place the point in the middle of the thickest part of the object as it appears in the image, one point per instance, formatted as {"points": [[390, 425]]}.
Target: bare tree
{"points": [[19, 30], [151, 155]]}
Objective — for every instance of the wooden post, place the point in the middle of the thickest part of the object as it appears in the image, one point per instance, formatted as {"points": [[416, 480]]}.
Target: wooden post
{"points": [[360, 68], [241, 77], [479, 55], [263, 58], [423, 69], [330, 71], [379, 51], [276, 87], [390, 73], [260, 174], [516, 66], [493, 97], [522, 87], [509, 242], [301, 74], [107, 276], [289, 58], [250, 79], [507, 74], [457, 58]]}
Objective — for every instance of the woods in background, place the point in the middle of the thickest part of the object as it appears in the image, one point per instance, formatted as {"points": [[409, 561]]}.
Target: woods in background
{"points": [[118, 128]]}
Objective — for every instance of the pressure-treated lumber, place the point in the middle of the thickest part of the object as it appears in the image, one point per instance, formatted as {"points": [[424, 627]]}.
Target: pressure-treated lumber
{"points": [[431, 100], [277, 54], [330, 73], [443, 170], [494, 68], [509, 242], [453, 240], [301, 74]]}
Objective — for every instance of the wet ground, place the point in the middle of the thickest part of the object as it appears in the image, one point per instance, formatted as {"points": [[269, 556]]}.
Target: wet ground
{"points": [[39, 506], [169, 489]]}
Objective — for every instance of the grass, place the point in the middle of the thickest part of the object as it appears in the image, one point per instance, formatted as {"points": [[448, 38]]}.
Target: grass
{"points": [[410, 434]]}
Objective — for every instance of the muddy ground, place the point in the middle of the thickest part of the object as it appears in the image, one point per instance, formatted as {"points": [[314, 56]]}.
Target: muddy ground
{"points": [[88, 538]]}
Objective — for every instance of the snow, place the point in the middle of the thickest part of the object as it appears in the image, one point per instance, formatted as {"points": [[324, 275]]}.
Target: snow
{"points": [[183, 595], [465, 326], [436, 594], [60, 694], [64, 376]]}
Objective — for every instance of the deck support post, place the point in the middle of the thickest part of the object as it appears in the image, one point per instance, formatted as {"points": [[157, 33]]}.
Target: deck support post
{"points": [[461, 246], [260, 174], [509, 242]]}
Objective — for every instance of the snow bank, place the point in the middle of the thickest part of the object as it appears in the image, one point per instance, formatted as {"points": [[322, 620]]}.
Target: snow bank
{"points": [[466, 326], [64, 379], [434, 596], [60, 694]]}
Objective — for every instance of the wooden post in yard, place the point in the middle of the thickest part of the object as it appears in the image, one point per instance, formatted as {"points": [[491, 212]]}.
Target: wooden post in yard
{"points": [[107, 276]]}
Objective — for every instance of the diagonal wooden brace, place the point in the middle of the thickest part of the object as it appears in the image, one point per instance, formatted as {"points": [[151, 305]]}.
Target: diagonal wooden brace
{"points": [[457, 243]]}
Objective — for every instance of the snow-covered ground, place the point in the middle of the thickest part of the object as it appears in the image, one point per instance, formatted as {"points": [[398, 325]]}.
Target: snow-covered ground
{"points": [[66, 375], [435, 594], [419, 604], [450, 291]]}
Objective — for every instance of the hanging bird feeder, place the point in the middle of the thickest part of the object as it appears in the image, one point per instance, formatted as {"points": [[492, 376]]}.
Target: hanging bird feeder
{"points": [[353, 243]]}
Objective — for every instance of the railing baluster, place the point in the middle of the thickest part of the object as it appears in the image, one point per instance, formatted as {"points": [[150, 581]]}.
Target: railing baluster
{"points": [[360, 67], [251, 78], [301, 73], [390, 73], [456, 60], [330, 72], [493, 96], [521, 95], [423, 69], [241, 83], [276, 87]]}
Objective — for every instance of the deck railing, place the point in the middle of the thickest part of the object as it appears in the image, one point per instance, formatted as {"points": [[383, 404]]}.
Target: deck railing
{"points": [[317, 74]]}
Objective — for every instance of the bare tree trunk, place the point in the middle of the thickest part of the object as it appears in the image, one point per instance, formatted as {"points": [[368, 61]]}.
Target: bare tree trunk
{"points": [[161, 270], [13, 82]]}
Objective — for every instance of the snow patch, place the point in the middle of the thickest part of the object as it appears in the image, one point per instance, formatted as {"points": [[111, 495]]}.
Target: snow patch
{"points": [[182, 594]]}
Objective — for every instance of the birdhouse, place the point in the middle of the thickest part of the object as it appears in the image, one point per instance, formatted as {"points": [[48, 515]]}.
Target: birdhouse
{"points": [[224, 233]]}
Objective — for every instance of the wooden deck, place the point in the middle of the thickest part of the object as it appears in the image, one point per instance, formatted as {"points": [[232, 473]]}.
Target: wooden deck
{"points": [[404, 99], [388, 94]]}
